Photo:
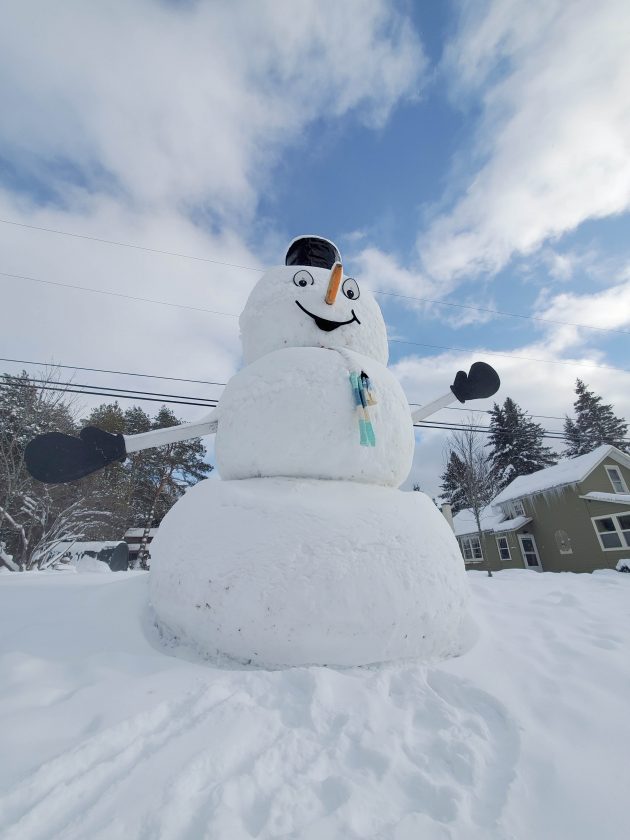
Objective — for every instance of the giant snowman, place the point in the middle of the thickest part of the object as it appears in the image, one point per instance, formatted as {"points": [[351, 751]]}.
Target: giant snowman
{"points": [[305, 552]]}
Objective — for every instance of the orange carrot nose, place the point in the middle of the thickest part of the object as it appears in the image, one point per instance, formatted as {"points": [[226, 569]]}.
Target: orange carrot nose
{"points": [[336, 275]]}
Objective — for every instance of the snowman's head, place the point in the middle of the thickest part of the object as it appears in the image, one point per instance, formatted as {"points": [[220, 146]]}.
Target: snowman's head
{"points": [[310, 302]]}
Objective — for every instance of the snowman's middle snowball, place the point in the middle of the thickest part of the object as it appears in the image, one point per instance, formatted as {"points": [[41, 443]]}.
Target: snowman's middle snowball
{"points": [[292, 413]]}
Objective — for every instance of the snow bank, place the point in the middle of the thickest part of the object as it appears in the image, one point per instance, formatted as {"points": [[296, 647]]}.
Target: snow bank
{"points": [[285, 572]]}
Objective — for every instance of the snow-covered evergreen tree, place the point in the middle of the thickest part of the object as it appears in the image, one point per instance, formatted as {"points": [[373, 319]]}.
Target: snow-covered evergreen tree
{"points": [[594, 424], [516, 443], [453, 483]]}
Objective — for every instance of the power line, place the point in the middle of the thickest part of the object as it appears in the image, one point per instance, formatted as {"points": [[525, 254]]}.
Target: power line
{"points": [[103, 241], [132, 391], [118, 372], [503, 313], [128, 245], [391, 340], [104, 393], [210, 382], [211, 403], [117, 294]]}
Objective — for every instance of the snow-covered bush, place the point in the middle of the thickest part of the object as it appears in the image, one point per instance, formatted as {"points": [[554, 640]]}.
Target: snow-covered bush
{"points": [[623, 566]]}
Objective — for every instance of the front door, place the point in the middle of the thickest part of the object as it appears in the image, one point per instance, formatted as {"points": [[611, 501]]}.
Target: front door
{"points": [[531, 558]]}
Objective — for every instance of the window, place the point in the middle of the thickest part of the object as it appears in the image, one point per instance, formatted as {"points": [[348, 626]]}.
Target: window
{"points": [[471, 549], [504, 548], [519, 509], [616, 479], [563, 542], [613, 532]]}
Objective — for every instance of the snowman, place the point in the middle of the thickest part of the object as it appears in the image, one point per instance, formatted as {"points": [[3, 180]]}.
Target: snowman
{"points": [[305, 552]]}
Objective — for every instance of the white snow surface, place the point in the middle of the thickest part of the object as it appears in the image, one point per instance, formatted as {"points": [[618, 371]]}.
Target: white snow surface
{"points": [[287, 572], [272, 320], [106, 734], [569, 471], [615, 498], [464, 521], [292, 413]]}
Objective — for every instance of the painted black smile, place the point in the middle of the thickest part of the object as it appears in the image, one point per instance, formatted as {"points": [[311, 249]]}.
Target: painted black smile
{"points": [[325, 324]]}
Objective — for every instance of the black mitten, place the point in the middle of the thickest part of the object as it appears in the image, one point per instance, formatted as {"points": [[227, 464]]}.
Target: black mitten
{"points": [[480, 381], [55, 458]]}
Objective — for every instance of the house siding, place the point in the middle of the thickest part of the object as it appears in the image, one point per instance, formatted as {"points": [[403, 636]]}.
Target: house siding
{"points": [[562, 508], [491, 553]]}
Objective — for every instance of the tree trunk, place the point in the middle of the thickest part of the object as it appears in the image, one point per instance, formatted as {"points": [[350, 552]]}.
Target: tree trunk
{"points": [[143, 551]]}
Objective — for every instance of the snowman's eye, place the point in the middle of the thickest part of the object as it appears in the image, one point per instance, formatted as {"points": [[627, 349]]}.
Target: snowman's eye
{"points": [[303, 278], [350, 288]]}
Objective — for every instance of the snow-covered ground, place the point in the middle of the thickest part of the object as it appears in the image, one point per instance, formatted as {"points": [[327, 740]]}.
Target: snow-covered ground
{"points": [[105, 733]]}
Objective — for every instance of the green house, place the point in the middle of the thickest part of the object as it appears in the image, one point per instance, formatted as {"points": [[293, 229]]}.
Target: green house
{"points": [[572, 517]]}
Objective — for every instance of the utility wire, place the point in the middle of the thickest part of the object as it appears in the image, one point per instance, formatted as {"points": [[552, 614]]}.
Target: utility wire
{"points": [[391, 340], [117, 294], [192, 401], [209, 382], [501, 312], [117, 372], [128, 245], [132, 391]]}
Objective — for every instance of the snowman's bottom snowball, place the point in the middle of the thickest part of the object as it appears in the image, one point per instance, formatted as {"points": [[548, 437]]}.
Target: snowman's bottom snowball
{"points": [[286, 571]]}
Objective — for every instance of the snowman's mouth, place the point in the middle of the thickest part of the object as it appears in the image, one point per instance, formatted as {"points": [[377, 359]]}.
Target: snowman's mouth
{"points": [[325, 324]]}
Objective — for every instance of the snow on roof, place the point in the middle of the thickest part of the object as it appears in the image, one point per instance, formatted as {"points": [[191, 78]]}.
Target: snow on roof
{"points": [[616, 498], [512, 524], [464, 521], [568, 471]]}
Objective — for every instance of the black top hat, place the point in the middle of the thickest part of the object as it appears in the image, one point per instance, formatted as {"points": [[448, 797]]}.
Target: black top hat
{"points": [[312, 250]]}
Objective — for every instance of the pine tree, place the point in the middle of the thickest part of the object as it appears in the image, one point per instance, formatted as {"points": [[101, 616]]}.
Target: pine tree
{"points": [[453, 483], [517, 444], [160, 476], [595, 424]]}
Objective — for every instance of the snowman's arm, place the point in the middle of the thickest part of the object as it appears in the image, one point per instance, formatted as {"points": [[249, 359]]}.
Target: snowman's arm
{"points": [[481, 381], [172, 434], [55, 458], [432, 407]]}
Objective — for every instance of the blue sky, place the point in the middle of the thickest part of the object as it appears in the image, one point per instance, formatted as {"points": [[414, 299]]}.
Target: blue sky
{"points": [[473, 153]]}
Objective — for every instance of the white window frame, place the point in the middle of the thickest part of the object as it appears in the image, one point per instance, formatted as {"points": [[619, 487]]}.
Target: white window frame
{"points": [[507, 548], [466, 544], [518, 507], [618, 530], [624, 486], [521, 537]]}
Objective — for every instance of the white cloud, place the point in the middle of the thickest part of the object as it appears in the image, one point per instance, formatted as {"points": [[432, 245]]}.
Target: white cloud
{"points": [[159, 124], [553, 148], [190, 103], [607, 309]]}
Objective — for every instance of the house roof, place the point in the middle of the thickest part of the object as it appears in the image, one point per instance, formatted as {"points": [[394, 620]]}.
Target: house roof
{"points": [[568, 471], [464, 521], [615, 498], [512, 524]]}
